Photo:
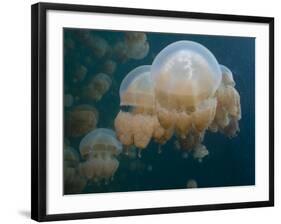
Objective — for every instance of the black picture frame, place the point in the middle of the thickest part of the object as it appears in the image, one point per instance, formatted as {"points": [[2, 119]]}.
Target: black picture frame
{"points": [[39, 122]]}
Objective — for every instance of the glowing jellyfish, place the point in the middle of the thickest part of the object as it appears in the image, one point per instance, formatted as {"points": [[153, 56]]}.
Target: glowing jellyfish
{"points": [[228, 112], [100, 149], [138, 125], [80, 120], [191, 184], [97, 87], [185, 73], [73, 181]]}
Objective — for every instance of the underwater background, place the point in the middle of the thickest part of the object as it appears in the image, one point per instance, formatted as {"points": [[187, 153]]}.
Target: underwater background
{"points": [[231, 161]]}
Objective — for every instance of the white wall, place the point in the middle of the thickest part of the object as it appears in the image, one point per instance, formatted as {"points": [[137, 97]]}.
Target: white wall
{"points": [[15, 110]]}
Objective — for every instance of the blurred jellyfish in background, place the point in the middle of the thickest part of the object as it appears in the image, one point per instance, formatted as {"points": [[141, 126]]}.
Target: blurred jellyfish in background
{"points": [[137, 45], [99, 148], [79, 73], [80, 120], [139, 124], [134, 46], [109, 67], [98, 46], [191, 184], [228, 111], [73, 182], [97, 87]]}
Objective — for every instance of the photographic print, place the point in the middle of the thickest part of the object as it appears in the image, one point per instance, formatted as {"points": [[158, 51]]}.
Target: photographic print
{"points": [[157, 111], [141, 111]]}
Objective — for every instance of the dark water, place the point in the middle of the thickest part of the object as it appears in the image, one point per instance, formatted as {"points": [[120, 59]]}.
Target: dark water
{"points": [[231, 162]]}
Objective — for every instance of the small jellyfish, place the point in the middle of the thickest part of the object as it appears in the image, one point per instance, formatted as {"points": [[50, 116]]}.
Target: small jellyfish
{"points": [[80, 120], [98, 46], [185, 73], [120, 51], [109, 67], [191, 183], [99, 148], [200, 151], [97, 87], [79, 73], [137, 126], [74, 183], [137, 45]]}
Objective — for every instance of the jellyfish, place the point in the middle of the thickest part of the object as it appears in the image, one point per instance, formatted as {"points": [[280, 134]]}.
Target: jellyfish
{"points": [[134, 46], [99, 148], [139, 124], [186, 76], [137, 45], [79, 73], [200, 151], [191, 183], [73, 181], [109, 67], [80, 120], [120, 51], [97, 87], [228, 111], [98, 46], [185, 73]]}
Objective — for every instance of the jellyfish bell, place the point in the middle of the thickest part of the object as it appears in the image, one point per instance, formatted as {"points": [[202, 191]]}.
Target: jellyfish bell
{"points": [[137, 45], [227, 76], [137, 126], [136, 88], [184, 74], [100, 141]]}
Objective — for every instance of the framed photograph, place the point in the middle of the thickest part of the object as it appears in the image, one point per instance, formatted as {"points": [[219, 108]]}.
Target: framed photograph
{"points": [[139, 111]]}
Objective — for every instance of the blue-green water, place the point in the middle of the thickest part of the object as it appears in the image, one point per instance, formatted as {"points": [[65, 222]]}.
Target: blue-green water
{"points": [[231, 162]]}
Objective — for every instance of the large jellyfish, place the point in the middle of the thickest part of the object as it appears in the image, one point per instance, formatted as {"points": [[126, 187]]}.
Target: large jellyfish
{"points": [[99, 148], [228, 111], [138, 124], [73, 181], [184, 92], [80, 120], [186, 76]]}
